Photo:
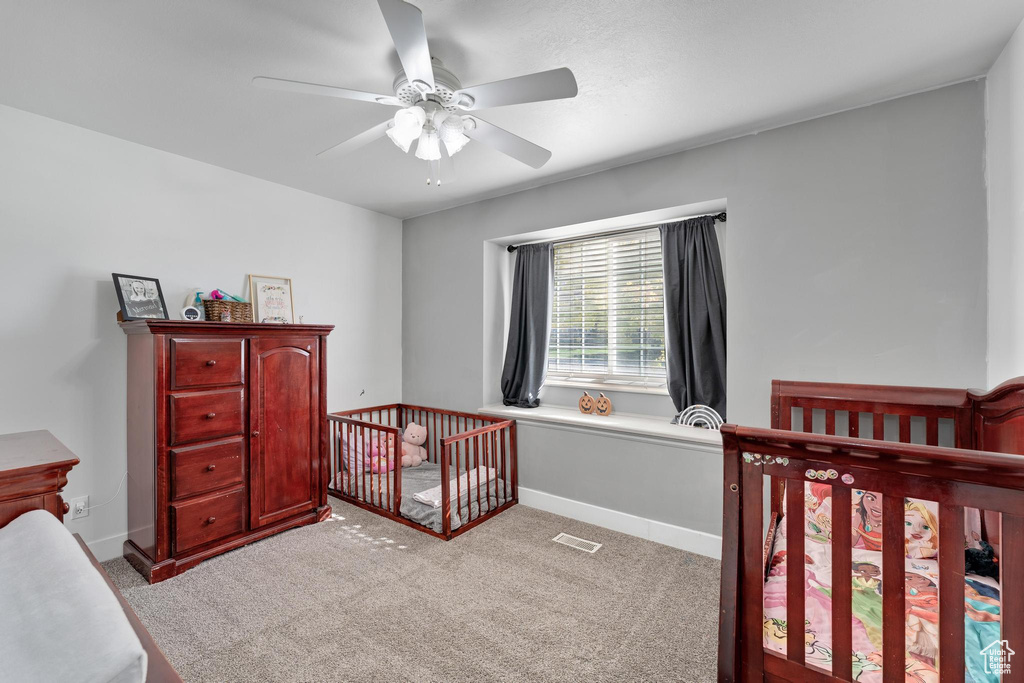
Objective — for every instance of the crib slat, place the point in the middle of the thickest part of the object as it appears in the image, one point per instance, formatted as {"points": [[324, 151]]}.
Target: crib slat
{"points": [[458, 474], [842, 584], [951, 593], [808, 420], [363, 495], [752, 578], [490, 451], [513, 458], [853, 418], [878, 424], [446, 508], [904, 429], [931, 431], [396, 500], [785, 418], [830, 422], [1011, 590], [353, 480], [795, 611], [893, 590], [476, 468], [786, 414], [504, 465]]}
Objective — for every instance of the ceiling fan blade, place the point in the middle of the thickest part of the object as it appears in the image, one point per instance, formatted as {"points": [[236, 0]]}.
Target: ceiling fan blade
{"points": [[507, 143], [405, 22], [546, 85], [328, 90], [357, 141]]}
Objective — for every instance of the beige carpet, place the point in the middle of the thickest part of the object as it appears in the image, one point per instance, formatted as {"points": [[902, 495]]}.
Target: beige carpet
{"points": [[361, 598]]}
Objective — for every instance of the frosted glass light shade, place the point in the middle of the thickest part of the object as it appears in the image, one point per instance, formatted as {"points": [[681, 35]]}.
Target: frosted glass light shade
{"points": [[454, 144], [450, 132], [402, 141], [408, 126], [429, 147]]}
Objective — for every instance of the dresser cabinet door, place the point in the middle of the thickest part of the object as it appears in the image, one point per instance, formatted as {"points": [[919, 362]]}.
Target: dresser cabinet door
{"points": [[285, 428]]}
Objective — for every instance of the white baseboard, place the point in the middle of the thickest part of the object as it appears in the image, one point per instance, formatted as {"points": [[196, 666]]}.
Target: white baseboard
{"points": [[108, 548], [680, 537]]}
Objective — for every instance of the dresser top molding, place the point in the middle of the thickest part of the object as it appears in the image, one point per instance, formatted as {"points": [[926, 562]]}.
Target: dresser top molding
{"points": [[23, 452], [194, 327]]}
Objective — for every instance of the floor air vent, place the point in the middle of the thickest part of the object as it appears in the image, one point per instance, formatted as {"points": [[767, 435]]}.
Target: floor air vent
{"points": [[578, 543]]}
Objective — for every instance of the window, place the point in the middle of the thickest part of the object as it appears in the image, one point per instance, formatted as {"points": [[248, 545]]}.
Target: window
{"points": [[608, 311]]}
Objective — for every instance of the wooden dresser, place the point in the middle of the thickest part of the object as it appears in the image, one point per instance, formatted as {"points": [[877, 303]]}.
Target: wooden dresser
{"points": [[227, 437], [34, 470]]}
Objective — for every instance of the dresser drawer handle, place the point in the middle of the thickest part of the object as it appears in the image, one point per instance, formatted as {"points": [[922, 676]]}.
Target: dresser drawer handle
{"points": [[211, 520], [211, 467], [210, 416], [255, 433], [211, 362]]}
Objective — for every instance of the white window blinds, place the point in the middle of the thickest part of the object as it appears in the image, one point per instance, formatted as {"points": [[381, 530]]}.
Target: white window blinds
{"points": [[608, 312]]}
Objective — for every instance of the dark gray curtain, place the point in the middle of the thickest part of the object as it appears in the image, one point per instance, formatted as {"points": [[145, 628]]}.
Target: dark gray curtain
{"points": [[694, 314], [526, 356]]}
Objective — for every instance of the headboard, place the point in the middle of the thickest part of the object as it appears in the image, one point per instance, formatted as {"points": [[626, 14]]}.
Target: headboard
{"points": [[958, 418]]}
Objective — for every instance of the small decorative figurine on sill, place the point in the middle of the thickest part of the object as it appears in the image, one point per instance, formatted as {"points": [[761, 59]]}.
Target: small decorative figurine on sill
{"points": [[699, 415], [603, 405], [586, 403]]}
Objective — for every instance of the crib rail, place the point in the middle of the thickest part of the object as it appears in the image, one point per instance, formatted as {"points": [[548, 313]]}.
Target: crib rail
{"points": [[952, 478], [360, 467], [859, 402], [961, 418], [491, 447], [456, 440]]}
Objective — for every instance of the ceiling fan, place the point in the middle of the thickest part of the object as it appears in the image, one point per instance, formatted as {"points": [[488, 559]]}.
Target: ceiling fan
{"points": [[431, 98]]}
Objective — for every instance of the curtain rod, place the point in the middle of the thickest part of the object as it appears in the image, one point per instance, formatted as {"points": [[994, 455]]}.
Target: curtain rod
{"points": [[716, 216]]}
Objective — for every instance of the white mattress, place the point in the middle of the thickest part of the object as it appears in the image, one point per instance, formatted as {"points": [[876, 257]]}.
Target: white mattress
{"points": [[59, 621]]}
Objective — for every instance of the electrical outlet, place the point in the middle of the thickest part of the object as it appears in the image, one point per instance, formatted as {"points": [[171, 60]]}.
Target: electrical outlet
{"points": [[79, 507]]}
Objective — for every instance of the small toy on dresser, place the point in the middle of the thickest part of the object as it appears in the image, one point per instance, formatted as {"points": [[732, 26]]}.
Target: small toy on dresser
{"points": [[413, 452]]}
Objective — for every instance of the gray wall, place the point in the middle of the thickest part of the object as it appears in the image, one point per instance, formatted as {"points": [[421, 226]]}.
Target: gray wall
{"points": [[1005, 169], [856, 252], [76, 205]]}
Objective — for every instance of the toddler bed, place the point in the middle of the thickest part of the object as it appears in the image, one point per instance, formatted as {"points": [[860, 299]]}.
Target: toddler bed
{"points": [[901, 561], [467, 475]]}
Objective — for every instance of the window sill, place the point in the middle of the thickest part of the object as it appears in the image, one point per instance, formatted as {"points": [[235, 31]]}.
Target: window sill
{"points": [[641, 427], [603, 386]]}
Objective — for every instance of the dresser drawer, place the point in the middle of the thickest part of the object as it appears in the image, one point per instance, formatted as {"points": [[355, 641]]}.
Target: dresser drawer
{"points": [[206, 362], [197, 469], [206, 415], [207, 519]]}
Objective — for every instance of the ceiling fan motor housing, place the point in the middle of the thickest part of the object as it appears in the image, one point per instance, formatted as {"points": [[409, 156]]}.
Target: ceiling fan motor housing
{"points": [[446, 84]]}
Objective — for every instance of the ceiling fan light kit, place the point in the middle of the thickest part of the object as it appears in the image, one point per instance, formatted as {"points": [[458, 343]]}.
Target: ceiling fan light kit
{"points": [[431, 97]]}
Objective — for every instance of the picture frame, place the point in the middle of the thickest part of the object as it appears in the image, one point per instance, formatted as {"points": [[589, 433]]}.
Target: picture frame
{"points": [[271, 299], [140, 297]]}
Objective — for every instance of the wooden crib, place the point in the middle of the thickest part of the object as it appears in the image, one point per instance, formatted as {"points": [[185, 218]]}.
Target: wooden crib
{"points": [[963, 459], [460, 443]]}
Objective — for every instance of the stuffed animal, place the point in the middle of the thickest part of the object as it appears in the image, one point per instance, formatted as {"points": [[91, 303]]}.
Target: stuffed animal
{"points": [[413, 438], [378, 462]]}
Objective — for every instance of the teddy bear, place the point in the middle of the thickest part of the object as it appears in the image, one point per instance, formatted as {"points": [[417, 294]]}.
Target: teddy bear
{"points": [[377, 462], [413, 438]]}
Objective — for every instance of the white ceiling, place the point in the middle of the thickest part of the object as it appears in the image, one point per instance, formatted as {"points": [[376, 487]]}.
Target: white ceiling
{"points": [[654, 77]]}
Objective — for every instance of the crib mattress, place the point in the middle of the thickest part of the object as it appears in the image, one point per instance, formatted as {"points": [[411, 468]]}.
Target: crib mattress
{"points": [[981, 601], [421, 478]]}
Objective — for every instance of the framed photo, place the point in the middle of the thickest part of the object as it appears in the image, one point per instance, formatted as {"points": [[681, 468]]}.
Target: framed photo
{"points": [[271, 299], [140, 297]]}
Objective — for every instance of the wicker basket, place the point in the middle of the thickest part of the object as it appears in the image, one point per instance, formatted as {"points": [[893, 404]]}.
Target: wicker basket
{"points": [[240, 311]]}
